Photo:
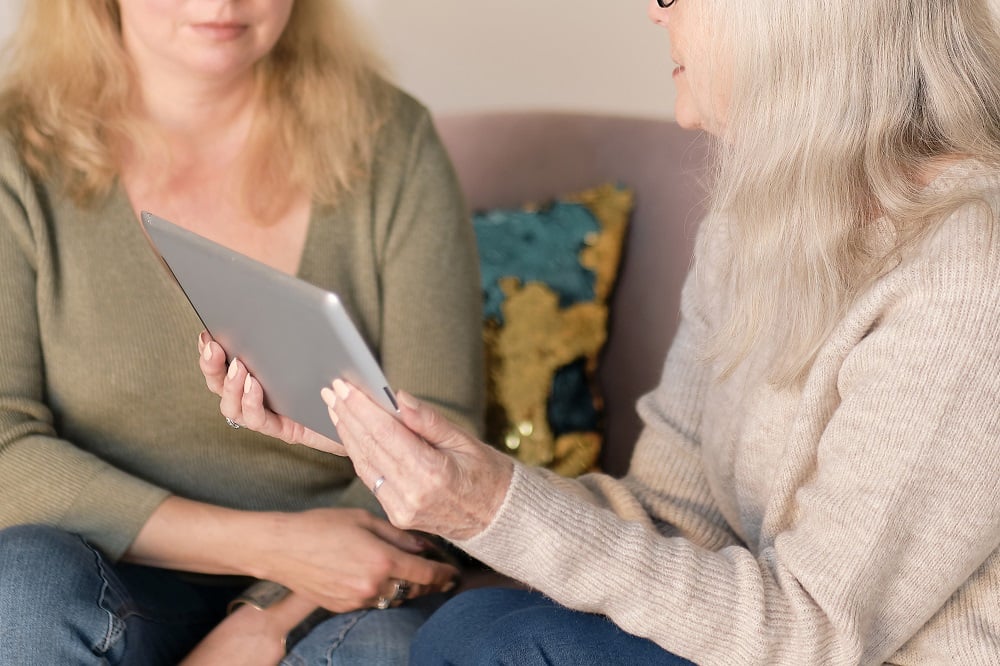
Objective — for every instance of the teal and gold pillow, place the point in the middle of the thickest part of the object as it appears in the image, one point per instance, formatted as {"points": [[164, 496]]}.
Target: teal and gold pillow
{"points": [[547, 272]]}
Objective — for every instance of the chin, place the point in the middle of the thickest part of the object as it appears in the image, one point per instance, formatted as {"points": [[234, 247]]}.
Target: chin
{"points": [[689, 122]]}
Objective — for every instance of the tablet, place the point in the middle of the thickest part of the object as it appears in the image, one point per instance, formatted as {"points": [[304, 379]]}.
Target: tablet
{"points": [[293, 337]]}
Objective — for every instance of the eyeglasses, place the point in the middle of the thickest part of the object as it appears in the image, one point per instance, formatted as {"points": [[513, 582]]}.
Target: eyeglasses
{"points": [[665, 4]]}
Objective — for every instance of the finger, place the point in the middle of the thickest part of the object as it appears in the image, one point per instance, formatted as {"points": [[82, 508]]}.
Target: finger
{"points": [[428, 423], [407, 541], [352, 432], [212, 363], [231, 397], [314, 440], [255, 416], [377, 437], [261, 419], [421, 571]]}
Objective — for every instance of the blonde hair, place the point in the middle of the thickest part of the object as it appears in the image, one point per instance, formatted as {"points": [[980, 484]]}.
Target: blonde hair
{"points": [[70, 98], [836, 111]]}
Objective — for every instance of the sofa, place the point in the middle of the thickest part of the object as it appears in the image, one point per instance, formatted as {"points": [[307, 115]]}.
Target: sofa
{"points": [[504, 159]]}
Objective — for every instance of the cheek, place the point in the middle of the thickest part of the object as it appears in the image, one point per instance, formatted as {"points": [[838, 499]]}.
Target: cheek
{"points": [[272, 19]]}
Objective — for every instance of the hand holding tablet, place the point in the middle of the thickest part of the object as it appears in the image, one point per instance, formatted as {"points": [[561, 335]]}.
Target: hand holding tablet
{"points": [[293, 337]]}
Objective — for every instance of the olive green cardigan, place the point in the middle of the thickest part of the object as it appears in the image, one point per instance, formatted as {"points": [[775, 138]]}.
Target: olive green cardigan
{"points": [[103, 410]]}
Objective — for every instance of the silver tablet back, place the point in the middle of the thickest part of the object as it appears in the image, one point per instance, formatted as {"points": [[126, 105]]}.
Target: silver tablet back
{"points": [[294, 337]]}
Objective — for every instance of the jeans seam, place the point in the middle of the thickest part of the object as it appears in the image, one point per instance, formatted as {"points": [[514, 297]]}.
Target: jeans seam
{"points": [[115, 626], [343, 635]]}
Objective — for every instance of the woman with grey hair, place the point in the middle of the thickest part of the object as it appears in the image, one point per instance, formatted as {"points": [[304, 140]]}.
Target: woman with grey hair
{"points": [[817, 481]]}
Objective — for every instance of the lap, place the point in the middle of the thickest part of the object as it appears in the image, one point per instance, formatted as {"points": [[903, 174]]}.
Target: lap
{"points": [[63, 601], [507, 626], [368, 636]]}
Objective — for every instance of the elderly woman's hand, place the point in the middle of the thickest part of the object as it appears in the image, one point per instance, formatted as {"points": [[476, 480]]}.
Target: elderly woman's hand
{"points": [[428, 474], [242, 400]]}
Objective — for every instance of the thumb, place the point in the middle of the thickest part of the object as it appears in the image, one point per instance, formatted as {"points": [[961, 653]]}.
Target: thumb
{"points": [[435, 429]]}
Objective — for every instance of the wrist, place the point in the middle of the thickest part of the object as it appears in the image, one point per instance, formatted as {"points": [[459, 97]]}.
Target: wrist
{"points": [[254, 532], [275, 619]]}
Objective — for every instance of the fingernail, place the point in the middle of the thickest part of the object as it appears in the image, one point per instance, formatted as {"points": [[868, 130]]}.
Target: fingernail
{"points": [[329, 397], [233, 368], [333, 416], [341, 388], [408, 400], [450, 585], [247, 385], [206, 353], [202, 339]]}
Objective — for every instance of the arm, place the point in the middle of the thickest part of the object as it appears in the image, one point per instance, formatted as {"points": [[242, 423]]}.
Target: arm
{"points": [[47, 479], [44, 478], [897, 510], [901, 511]]}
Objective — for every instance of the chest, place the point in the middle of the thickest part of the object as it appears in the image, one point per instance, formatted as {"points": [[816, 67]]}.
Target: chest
{"points": [[760, 446], [212, 205]]}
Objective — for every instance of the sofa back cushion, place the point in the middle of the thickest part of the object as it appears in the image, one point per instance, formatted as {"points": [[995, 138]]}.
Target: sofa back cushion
{"points": [[505, 159]]}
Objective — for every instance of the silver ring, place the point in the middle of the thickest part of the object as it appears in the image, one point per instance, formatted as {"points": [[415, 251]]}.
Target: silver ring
{"points": [[399, 591], [233, 424], [378, 484], [402, 589]]}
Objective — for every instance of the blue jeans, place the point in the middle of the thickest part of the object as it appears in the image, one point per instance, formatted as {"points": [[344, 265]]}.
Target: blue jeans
{"points": [[367, 637], [495, 626], [63, 602]]}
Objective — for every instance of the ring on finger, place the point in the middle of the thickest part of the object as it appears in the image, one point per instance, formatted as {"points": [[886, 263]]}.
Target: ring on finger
{"points": [[233, 424], [378, 484], [399, 591], [402, 588]]}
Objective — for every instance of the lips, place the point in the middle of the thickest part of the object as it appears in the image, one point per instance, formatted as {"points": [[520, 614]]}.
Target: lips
{"points": [[220, 30]]}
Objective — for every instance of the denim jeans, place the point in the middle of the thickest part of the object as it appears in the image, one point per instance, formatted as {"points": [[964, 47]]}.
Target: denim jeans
{"points": [[495, 626], [63, 602], [366, 637]]}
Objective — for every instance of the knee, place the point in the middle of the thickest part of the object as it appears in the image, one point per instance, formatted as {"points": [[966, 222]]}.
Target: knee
{"points": [[478, 626], [38, 562]]}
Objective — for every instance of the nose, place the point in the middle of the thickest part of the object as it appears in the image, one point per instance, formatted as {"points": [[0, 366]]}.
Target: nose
{"points": [[656, 13]]}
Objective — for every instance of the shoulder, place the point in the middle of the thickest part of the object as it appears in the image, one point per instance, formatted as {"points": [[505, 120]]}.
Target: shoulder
{"points": [[967, 240], [953, 270], [12, 166], [406, 120]]}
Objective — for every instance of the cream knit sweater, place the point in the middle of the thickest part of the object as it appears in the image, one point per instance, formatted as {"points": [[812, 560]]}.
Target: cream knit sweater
{"points": [[854, 520]]}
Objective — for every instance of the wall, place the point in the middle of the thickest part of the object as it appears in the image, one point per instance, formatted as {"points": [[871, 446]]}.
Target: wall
{"points": [[598, 55], [594, 55]]}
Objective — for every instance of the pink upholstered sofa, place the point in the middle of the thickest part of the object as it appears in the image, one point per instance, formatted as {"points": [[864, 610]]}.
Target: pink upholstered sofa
{"points": [[508, 158]]}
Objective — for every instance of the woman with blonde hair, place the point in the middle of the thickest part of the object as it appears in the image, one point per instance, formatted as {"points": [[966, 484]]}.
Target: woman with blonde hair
{"points": [[817, 480], [132, 513]]}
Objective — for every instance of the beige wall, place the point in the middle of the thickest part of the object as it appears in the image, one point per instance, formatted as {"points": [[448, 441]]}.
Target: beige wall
{"points": [[599, 55], [593, 55]]}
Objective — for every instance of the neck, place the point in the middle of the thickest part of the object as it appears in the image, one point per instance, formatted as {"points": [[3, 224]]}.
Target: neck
{"points": [[197, 112]]}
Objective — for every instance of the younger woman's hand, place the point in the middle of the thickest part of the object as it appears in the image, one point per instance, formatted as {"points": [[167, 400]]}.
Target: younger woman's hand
{"points": [[242, 400], [428, 474]]}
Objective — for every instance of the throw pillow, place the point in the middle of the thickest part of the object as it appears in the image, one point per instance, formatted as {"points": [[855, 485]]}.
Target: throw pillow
{"points": [[547, 272]]}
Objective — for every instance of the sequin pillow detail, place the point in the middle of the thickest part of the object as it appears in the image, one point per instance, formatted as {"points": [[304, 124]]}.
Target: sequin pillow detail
{"points": [[547, 272]]}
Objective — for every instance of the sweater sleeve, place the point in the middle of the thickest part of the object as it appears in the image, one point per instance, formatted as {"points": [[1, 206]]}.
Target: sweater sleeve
{"points": [[45, 479], [673, 498], [432, 303], [901, 511]]}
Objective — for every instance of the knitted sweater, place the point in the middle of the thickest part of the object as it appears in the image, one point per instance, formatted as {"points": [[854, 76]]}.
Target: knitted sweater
{"points": [[855, 519], [103, 410]]}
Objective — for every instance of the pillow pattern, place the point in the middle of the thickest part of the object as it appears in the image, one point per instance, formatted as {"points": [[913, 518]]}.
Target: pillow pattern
{"points": [[547, 272]]}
